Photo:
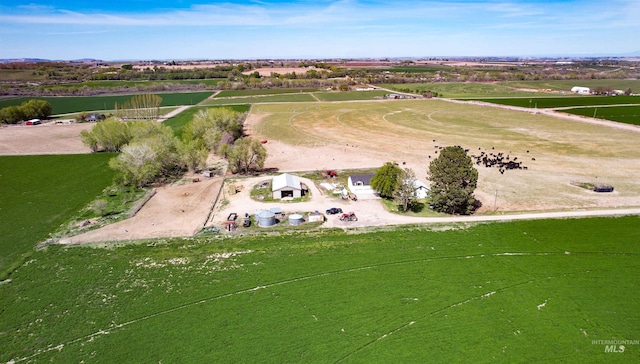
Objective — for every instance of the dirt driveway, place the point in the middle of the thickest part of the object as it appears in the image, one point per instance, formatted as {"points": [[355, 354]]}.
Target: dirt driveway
{"points": [[369, 210]]}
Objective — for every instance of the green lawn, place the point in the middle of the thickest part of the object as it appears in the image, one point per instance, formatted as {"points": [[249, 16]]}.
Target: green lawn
{"points": [[562, 101], [528, 291], [623, 114], [274, 91], [566, 85], [65, 105], [178, 122], [460, 89], [351, 95], [39, 193], [297, 97]]}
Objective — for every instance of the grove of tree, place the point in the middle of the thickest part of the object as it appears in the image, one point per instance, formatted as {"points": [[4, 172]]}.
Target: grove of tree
{"points": [[151, 153]]}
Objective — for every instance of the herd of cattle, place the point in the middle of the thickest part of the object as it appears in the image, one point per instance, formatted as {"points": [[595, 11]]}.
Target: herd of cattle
{"points": [[498, 160]]}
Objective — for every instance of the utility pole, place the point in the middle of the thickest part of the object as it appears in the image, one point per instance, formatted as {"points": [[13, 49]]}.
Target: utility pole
{"points": [[495, 201]]}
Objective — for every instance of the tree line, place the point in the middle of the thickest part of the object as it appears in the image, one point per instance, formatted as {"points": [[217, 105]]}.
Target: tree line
{"points": [[31, 109], [150, 152]]}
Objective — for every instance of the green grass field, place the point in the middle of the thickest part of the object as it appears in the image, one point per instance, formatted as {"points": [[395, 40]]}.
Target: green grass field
{"points": [[461, 89], [39, 193], [566, 85], [563, 101], [178, 122], [297, 97], [259, 92], [623, 114], [529, 291], [65, 105], [350, 95]]}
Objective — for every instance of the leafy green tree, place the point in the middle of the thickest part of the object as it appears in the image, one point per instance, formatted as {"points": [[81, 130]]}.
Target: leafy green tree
{"points": [[137, 164], [110, 135], [386, 179], [405, 191], [246, 155], [192, 155], [11, 115], [453, 181], [36, 109], [213, 127]]}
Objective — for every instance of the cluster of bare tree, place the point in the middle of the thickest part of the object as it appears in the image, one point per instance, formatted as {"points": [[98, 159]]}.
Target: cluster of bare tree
{"points": [[140, 107]]}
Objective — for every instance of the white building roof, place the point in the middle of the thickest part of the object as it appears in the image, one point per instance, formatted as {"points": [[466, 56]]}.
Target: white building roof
{"points": [[419, 184], [285, 180]]}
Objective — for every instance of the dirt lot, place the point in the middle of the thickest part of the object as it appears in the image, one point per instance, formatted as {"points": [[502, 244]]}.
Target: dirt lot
{"points": [[174, 211], [47, 138]]}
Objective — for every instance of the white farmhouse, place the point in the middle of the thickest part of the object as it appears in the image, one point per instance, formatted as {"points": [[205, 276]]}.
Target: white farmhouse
{"points": [[360, 184]]}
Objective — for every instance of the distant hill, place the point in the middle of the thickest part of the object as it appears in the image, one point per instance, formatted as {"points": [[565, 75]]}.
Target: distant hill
{"points": [[39, 60]]}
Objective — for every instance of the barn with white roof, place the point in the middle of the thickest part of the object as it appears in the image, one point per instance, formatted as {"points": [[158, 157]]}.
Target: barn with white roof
{"points": [[286, 186]]}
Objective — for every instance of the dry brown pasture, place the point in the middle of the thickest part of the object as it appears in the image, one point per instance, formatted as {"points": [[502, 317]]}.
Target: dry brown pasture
{"points": [[367, 134]]}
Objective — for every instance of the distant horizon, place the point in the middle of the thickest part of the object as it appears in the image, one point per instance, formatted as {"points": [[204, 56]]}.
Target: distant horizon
{"points": [[323, 29], [635, 56]]}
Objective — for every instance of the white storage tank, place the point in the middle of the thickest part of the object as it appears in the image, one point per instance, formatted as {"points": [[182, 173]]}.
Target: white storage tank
{"points": [[265, 218], [295, 219]]}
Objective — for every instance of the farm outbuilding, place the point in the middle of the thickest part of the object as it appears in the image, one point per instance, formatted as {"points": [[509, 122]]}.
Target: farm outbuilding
{"points": [[286, 186], [360, 184], [422, 190], [581, 90]]}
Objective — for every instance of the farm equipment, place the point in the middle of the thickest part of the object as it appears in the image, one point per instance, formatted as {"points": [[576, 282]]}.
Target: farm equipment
{"points": [[246, 222], [210, 229], [349, 217], [334, 210], [350, 196], [329, 174]]}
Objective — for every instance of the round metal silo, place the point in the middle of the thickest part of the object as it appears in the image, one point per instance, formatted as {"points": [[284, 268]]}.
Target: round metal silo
{"points": [[266, 218], [295, 219]]}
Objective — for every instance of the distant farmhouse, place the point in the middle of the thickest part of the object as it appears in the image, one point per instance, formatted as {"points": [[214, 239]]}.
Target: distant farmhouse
{"points": [[581, 90]]}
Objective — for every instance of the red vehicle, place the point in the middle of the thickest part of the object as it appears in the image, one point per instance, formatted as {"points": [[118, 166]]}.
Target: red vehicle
{"points": [[349, 217]]}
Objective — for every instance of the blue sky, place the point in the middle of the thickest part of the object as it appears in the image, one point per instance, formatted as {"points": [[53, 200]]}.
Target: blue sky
{"points": [[204, 29]]}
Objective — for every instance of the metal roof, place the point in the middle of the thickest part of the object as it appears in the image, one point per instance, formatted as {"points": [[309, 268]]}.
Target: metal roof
{"points": [[285, 180]]}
